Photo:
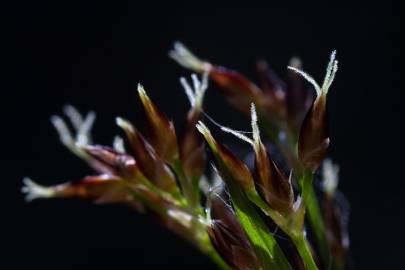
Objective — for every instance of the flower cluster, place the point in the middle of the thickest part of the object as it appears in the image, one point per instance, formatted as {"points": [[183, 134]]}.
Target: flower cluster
{"points": [[230, 215]]}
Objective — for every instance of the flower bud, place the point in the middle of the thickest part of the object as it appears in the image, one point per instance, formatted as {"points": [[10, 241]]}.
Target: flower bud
{"points": [[151, 165], [228, 237], [118, 164], [313, 139], [162, 134], [101, 188], [230, 167], [274, 186]]}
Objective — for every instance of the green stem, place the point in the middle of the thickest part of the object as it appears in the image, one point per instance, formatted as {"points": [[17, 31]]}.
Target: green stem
{"points": [[266, 247], [192, 197], [315, 217], [297, 237], [204, 242], [190, 193], [305, 252]]}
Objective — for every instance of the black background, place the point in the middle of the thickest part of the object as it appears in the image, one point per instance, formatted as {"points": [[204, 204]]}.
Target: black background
{"points": [[92, 55]]}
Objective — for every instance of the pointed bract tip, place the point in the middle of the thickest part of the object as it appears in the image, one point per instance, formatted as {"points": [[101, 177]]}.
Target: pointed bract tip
{"points": [[122, 123], [202, 128], [142, 92], [140, 87], [34, 191]]}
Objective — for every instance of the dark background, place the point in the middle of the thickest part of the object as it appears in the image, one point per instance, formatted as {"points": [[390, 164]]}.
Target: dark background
{"points": [[92, 55]]}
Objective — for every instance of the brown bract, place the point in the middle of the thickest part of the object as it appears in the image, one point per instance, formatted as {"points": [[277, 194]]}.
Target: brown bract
{"points": [[228, 163], [114, 163], [313, 140], [192, 147], [273, 185], [153, 167], [162, 134], [229, 238], [104, 188], [233, 165], [239, 91]]}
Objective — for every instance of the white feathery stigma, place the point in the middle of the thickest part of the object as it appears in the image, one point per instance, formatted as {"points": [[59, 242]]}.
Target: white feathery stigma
{"points": [[34, 191], [255, 129], [81, 127], [182, 55], [196, 93], [329, 77]]}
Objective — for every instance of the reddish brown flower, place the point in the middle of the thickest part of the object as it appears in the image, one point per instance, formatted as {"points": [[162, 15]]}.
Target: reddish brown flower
{"points": [[239, 91], [227, 161], [228, 236], [162, 135], [151, 164], [314, 139]]}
